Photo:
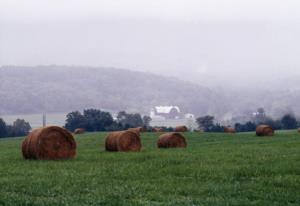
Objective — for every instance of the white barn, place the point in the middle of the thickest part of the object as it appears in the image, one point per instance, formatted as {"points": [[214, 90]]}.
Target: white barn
{"points": [[165, 112]]}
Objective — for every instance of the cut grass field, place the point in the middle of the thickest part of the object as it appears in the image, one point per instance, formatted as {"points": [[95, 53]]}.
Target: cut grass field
{"points": [[215, 169]]}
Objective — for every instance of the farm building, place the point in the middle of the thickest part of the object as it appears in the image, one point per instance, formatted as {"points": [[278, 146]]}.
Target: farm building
{"points": [[171, 116], [166, 112]]}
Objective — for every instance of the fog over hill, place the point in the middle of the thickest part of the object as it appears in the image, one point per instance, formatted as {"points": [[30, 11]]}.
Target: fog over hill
{"points": [[224, 58], [67, 88], [63, 89]]}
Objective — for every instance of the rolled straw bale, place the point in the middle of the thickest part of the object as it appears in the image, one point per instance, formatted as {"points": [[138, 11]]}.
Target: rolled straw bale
{"points": [[264, 130], [79, 131], [171, 140], [138, 129], [229, 130], [123, 141], [53, 143], [157, 129], [181, 129]]}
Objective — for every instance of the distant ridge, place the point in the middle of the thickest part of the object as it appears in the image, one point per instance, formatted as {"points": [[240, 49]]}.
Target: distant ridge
{"points": [[27, 90], [66, 88]]}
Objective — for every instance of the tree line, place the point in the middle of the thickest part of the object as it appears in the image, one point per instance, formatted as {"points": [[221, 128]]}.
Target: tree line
{"points": [[19, 128], [288, 121], [96, 120]]}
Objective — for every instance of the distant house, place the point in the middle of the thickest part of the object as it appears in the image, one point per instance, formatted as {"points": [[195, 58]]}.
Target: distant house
{"points": [[166, 112]]}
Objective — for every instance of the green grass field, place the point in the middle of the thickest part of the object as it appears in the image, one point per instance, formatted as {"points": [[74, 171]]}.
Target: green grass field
{"points": [[215, 169]]}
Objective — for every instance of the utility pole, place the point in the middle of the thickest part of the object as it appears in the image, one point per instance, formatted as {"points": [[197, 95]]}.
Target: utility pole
{"points": [[44, 119]]}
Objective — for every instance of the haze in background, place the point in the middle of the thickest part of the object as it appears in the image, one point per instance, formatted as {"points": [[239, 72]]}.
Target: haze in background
{"points": [[214, 43]]}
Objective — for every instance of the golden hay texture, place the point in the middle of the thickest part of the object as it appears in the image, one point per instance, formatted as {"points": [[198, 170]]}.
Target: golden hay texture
{"points": [[171, 140], [79, 131], [229, 130], [181, 129], [264, 130], [157, 129], [51, 143], [123, 141]]}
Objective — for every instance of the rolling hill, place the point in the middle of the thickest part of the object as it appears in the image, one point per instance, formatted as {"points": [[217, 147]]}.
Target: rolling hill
{"points": [[68, 88], [27, 90]]}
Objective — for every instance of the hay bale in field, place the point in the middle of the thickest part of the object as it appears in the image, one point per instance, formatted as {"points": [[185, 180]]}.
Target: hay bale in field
{"points": [[51, 143], [137, 129], [182, 128], [298, 130], [229, 130], [264, 130], [157, 129], [171, 140], [123, 141], [79, 131]]}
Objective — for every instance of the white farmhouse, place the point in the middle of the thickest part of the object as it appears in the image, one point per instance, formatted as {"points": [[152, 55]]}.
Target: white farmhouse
{"points": [[165, 112]]}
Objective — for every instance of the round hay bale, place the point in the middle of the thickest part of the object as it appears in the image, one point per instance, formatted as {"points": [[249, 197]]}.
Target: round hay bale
{"points": [[182, 128], [79, 131], [264, 130], [171, 140], [229, 130], [123, 141], [158, 129], [298, 130], [51, 143], [137, 129]]}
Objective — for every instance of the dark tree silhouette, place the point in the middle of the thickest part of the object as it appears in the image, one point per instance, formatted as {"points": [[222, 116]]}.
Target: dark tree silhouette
{"points": [[19, 128], [288, 121], [75, 120], [206, 122], [3, 131]]}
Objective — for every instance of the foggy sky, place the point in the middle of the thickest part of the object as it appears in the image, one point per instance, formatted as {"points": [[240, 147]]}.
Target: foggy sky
{"points": [[210, 42]]}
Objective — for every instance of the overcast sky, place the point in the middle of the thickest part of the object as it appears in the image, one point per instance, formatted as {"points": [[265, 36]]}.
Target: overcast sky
{"points": [[209, 41]]}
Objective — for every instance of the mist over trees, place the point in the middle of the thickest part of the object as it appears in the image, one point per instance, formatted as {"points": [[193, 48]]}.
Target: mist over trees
{"points": [[62, 88], [27, 90], [206, 123], [288, 121]]}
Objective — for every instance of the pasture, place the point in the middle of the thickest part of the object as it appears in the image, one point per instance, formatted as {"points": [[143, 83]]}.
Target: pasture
{"points": [[215, 169]]}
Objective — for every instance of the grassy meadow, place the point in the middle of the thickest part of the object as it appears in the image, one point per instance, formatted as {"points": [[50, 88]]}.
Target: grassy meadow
{"points": [[215, 169]]}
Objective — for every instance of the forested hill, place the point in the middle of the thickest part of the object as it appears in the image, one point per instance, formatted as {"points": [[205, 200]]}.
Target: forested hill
{"points": [[66, 88]]}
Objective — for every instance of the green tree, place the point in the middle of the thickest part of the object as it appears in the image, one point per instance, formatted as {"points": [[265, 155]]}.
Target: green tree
{"points": [[217, 128], [288, 121], [146, 121], [247, 127], [75, 120], [2, 128], [19, 128], [206, 122], [97, 120], [275, 124], [129, 120]]}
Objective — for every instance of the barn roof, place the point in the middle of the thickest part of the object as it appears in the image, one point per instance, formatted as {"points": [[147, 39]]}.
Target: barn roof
{"points": [[166, 109]]}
